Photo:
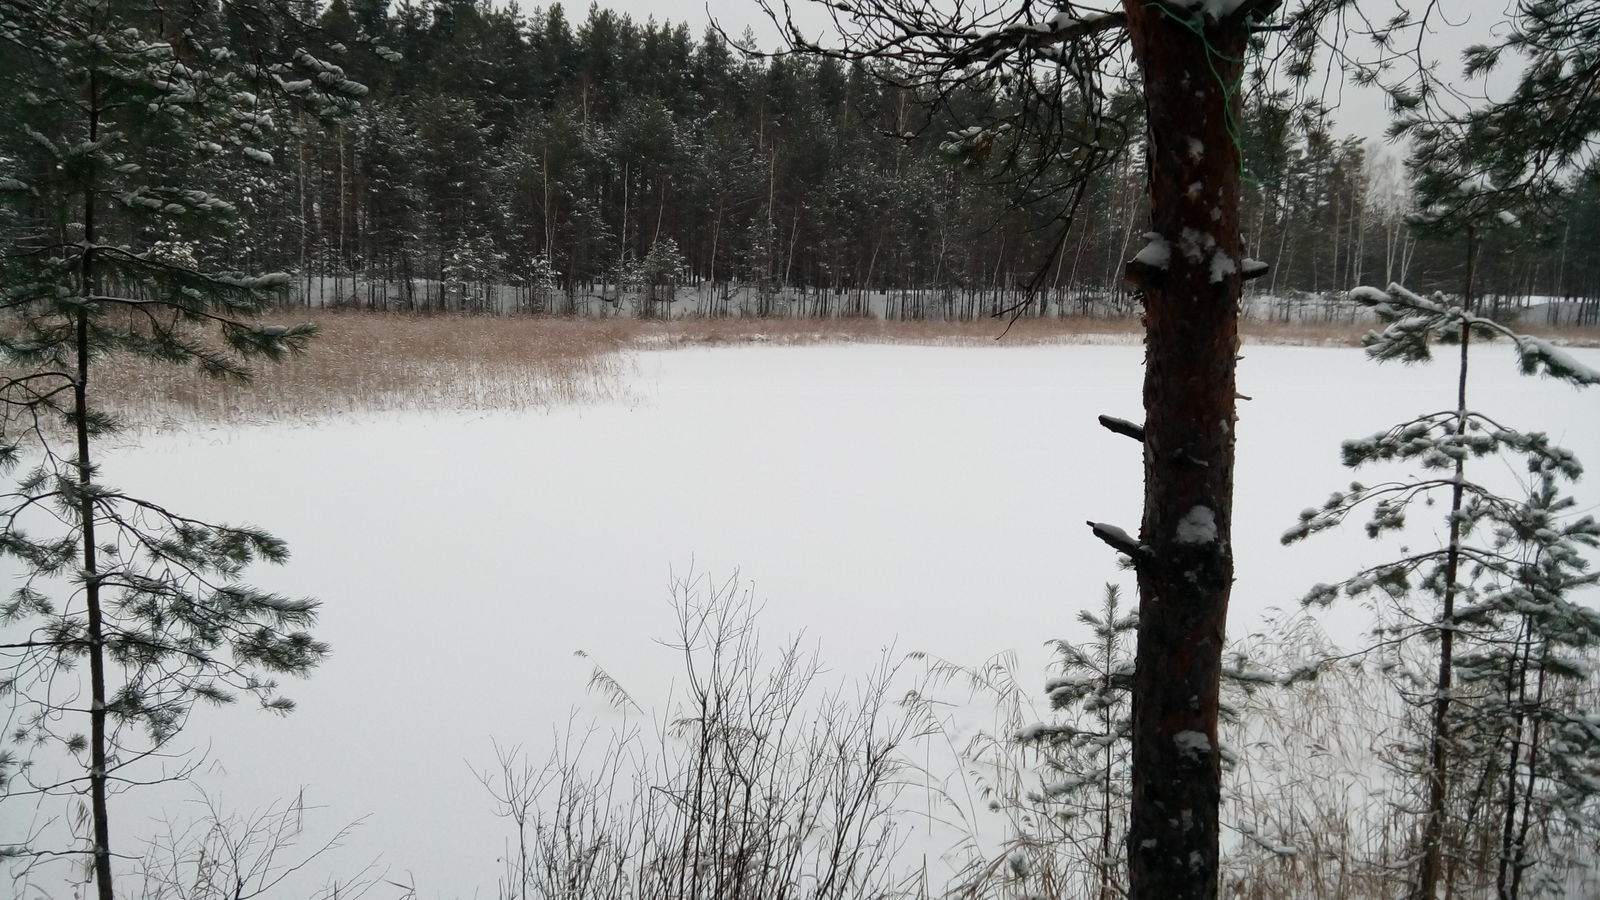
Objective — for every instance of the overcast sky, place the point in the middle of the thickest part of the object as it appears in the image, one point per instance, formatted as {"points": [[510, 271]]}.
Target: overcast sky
{"points": [[1360, 110]]}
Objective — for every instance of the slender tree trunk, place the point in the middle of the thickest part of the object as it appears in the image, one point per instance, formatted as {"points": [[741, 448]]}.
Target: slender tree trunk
{"points": [[1430, 869], [711, 267], [1106, 890], [1259, 229], [1280, 266], [863, 307], [86, 511], [1520, 862], [622, 242], [1391, 243], [547, 214], [305, 214], [661, 212], [339, 224], [1517, 698], [1073, 286], [91, 593], [1359, 223], [1338, 210], [1127, 235], [794, 237], [1185, 554]]}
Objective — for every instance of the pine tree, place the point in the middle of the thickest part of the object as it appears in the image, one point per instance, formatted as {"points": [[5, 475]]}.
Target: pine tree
{"points": [[1532, 646], [1089, 765], [657, 276], [121, 125], [1501, 615], [1531, 139], [1070, 825]]}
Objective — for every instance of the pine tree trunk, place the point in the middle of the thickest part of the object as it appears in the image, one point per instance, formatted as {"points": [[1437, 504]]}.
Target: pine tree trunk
{"points": [[1516, 700], [1431, 867], [1521, 861], [92, 607], [1186, 560], [98, 739]]}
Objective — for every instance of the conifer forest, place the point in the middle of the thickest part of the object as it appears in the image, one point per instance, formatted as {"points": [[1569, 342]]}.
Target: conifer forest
{"points": [[499, 159], [816, 450]]}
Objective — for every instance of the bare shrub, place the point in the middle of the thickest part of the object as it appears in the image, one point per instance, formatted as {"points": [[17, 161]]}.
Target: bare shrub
{"points": [[760, 782], [225, 855]]}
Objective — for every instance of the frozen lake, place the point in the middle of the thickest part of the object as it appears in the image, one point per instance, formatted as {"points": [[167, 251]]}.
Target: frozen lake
{"points": [[920, 498]]}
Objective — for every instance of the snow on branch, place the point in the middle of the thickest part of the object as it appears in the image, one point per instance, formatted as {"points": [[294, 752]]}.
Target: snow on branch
{"points": [[1119, 540], [1538, 355], [1412, 321], [1156, 254]]}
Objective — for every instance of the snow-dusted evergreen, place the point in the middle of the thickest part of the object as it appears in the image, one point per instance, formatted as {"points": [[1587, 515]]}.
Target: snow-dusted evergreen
{"points": [[1067, 814], [790, 185], [130, 132], [1084, 773], [1503, 752]]}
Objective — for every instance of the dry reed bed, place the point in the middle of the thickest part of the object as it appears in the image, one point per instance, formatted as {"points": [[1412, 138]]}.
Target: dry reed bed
{"points": [[378, 362], [365, 362]]}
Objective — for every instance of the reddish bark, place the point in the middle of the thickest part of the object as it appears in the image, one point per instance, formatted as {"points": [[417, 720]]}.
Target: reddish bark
{"points": [[1191, 321]]}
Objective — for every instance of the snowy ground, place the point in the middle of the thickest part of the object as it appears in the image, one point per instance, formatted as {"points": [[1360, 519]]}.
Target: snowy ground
{"points": [[909, 497]]}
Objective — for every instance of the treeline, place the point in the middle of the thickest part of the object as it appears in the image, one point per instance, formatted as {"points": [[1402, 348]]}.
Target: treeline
{"points": [[504, 160]]}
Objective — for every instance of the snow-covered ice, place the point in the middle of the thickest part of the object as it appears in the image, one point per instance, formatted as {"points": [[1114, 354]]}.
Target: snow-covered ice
{"points": [[920, 498]]}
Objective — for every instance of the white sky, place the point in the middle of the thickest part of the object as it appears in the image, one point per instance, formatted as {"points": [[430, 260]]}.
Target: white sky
{"points": [[1360, 111]]}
